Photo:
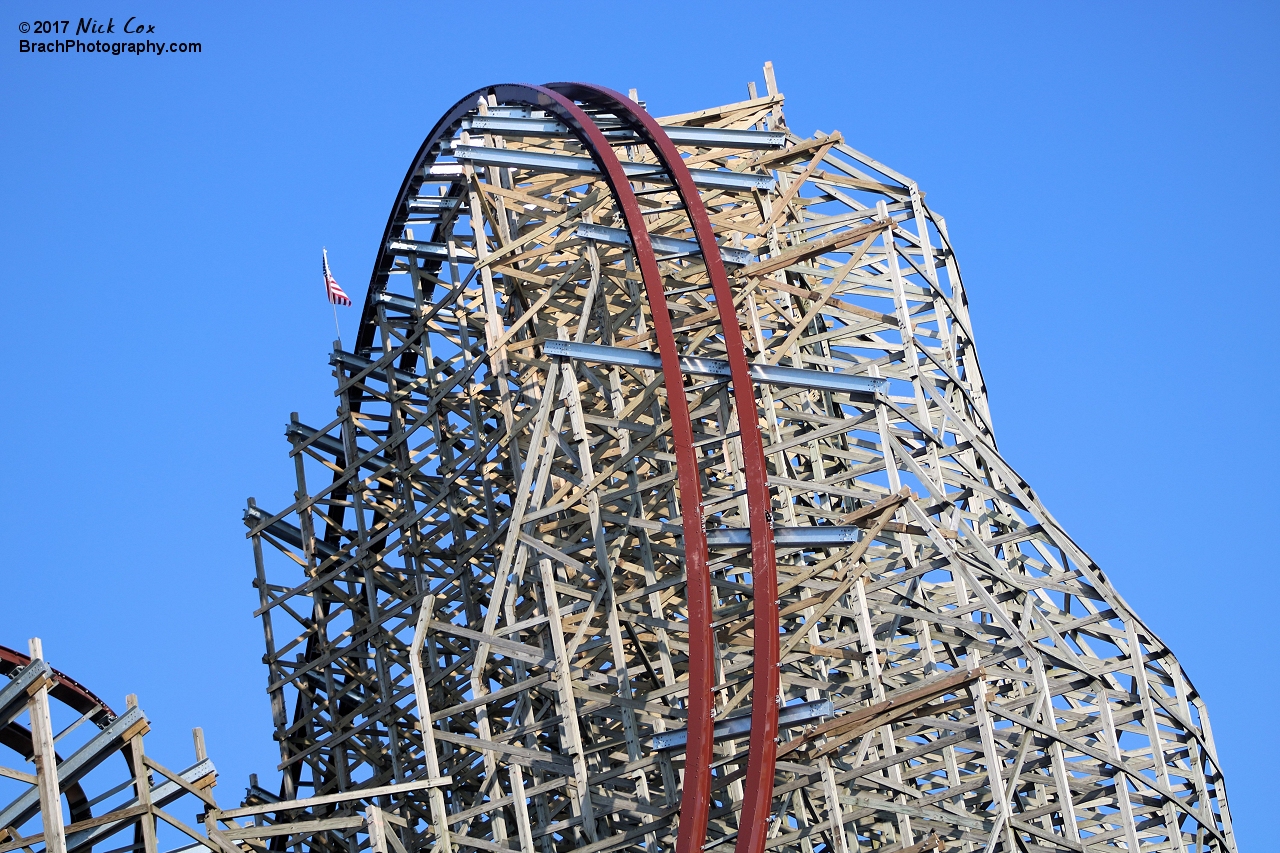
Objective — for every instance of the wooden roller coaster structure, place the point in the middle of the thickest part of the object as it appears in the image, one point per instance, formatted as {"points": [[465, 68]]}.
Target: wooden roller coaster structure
{"points": [[663, 511]]}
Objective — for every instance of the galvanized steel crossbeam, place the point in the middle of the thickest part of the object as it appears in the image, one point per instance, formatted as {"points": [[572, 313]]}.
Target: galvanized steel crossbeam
{"points": [[792, 715], [668, 246], [568, 164], [818, 380], [709, 137]]}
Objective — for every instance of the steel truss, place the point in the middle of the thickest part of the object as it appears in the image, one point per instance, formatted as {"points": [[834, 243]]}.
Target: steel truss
{"points": [[546, 579]]}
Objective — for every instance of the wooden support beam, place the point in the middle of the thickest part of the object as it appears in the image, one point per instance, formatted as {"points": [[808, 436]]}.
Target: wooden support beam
{"points": [[46, 760]]}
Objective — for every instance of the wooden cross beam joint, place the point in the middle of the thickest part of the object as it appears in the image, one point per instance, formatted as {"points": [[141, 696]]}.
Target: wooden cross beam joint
{"points": [[900, 706]]}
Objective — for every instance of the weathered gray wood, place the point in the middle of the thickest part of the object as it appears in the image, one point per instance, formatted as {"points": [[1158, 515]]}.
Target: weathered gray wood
{"points": [[46, 762], [516, 514]]}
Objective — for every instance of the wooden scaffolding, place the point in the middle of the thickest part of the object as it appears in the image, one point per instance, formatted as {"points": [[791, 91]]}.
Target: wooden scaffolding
{"points": [[662, 508]]}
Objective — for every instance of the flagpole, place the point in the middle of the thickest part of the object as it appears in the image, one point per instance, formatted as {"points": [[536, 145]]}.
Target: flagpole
{"points": [[325, 251]]}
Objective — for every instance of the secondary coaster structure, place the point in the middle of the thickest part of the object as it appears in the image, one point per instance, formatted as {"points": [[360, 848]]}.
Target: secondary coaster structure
{"points": [[74, 798], [663, 509]]}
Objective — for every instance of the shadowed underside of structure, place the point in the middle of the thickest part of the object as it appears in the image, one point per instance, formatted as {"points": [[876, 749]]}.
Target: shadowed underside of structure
{"points": [[663, 510]]}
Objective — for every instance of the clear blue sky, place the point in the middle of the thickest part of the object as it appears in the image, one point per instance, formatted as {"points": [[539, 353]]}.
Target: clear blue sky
{"points": [[1108, 173]]}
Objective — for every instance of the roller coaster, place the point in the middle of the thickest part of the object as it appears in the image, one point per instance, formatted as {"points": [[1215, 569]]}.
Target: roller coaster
{"points": [[662, 510]]}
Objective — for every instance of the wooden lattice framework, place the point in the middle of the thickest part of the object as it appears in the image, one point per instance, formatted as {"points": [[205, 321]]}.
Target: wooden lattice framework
{"points": [[77, 797], [662, 508]]}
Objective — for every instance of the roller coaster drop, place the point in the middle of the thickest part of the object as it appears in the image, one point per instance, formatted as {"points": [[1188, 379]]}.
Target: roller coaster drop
{"points": [[662, 510]]}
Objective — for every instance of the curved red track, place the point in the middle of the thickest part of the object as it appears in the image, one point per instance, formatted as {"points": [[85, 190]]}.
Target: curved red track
{"points": [[697, 782], [762, 756], [75, 696], [67, 690], [558, 100]]}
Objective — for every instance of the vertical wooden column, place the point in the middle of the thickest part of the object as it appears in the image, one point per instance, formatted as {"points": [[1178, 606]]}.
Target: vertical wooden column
{"points": [[46, 760], [141, 777], [439, 817]]}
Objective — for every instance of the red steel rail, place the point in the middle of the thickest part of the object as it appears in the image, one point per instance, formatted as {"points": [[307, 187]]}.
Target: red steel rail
{"points": [[696, 793], [75, 696], [66, 689], [763, 748]]}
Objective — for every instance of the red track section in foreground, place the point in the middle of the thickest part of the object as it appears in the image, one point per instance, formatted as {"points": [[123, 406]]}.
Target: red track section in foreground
{"points": [[757, 805], [75, 696], [697, 779], [67, 689]]}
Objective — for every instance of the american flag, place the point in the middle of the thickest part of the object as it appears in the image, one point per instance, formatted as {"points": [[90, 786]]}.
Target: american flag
{"points": [[336, 295]]}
